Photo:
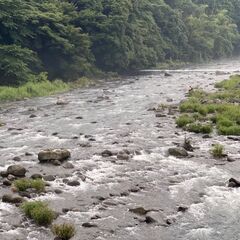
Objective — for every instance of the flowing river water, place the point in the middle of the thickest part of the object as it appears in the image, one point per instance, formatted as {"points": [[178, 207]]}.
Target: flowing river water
{"points": [[114, 116]]}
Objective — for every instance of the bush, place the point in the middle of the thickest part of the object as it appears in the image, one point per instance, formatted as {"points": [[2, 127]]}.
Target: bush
{"points": [[25, 183], [64, 231], [39, 212], [231, 130], [217, 150], [184, 119], [200, 128]]}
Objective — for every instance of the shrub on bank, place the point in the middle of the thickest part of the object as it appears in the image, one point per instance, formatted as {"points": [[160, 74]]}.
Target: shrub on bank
{"points": [[39, 212], [32, 89], [64, 231]]}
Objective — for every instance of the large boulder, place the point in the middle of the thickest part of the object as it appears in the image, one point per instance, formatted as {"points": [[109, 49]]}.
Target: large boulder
{"points": [[50, 155], [16, 170], [178, 152]]}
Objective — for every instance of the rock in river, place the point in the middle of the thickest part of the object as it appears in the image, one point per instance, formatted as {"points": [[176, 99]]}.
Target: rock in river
{"points": [[49, 155], [12, 199], [178, 152], [16, 170], [233, 183]]}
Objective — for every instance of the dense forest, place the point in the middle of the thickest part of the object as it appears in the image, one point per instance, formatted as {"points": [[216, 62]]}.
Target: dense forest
{"points": [[67, 39]]}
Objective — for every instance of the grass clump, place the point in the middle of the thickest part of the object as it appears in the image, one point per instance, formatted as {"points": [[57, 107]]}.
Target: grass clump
{"points": [[184, 120], [231, 130], [25, 183], [39, 212], [64, 231], [200, 128], [233, 83], [217, 151]]}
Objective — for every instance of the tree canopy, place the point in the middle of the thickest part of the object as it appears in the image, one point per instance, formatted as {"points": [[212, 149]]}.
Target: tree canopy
{"points": [[71, 38]]}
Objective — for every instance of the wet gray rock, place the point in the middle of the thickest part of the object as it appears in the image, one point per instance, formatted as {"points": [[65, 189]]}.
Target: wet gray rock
{"points": [[233, 183], [122, 156], [36, 176], [107, 153], [68, 165], [3, 174], [178, 152], [49, 155], [49, 178], [167, 74], [139, 211], [9, 198], [28, 154], [58, 191], [6, 182], [32, 116], [85, 145], [134, 189], [150, 220], [16, 170], [17, 159], [182, 209], [73, 183], [206, 136], [89, 225], [230, 159], [56, 163], [160, 115]]}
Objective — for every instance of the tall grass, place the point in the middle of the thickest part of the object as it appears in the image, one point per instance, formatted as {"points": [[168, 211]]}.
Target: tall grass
{"points": [[39, 212], [33, 89]]}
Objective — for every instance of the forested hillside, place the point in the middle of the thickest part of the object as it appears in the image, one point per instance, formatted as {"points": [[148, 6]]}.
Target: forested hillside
{"points": [[69, 39]]}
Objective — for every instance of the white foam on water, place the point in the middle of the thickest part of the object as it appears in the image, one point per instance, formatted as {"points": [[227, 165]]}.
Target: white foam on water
{"points": [[200, 234], [48, 196], [7, 208], [197, 211], [194, 175], [80, 216]]}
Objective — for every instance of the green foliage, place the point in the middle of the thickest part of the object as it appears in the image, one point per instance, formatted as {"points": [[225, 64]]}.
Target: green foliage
{"points": [[232, 84], [32, 89], [221, 108], [217, 150], [200, 128], [25, 183], [184, 119], [64, 231], [39, 212], [71, 39]]}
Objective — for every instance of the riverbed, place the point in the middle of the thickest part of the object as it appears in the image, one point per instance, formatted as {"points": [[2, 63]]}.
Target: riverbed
{"points": [[115, 116]]}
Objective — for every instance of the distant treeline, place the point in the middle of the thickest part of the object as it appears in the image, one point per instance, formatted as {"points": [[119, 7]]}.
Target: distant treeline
{"points": [[71, 38]]}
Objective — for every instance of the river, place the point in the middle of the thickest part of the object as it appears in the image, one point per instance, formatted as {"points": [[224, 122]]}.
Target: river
{"points": [[114, 116]]}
